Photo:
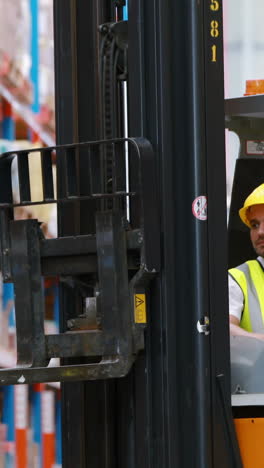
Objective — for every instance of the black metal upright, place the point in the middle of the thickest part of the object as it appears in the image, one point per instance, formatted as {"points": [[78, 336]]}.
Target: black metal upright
{"points": [[173, 409], [85, 427], [177, 102]]}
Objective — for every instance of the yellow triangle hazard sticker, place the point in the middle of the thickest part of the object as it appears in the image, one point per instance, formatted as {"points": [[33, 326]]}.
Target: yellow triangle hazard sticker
{"points": [[140, 308], [139, 301]]}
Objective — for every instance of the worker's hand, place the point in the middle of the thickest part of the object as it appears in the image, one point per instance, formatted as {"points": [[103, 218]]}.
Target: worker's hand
{"points": [[236, 330], [259, 336]]}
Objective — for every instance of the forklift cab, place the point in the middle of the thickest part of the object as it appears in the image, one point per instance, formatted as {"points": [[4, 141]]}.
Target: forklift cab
{"points": [[245, 117]]}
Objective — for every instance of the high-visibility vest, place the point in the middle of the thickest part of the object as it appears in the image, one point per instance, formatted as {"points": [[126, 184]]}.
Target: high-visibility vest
{"points": [[250, 278]]}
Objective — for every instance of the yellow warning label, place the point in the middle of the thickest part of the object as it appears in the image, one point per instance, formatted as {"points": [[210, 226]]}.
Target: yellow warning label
{"points": [[140, 308]]}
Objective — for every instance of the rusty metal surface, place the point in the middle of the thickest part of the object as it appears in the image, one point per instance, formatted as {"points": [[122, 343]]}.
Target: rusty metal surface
{"points": [[28, 289], [81, 343], [118, 366], [106, 266]]}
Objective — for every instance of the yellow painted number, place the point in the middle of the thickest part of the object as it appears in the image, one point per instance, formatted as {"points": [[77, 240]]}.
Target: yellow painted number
{"points": [[213, 53], [214, 5], [214, 29]]}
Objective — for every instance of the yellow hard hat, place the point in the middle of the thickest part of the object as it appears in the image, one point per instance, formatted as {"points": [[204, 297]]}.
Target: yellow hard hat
{"points": [[255, 198]]}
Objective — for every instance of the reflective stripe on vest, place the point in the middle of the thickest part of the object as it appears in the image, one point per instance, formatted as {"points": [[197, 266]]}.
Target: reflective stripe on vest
{"points": [[250, 277]]}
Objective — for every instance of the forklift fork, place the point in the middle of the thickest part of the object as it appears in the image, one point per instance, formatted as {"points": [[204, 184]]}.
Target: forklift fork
{"points": [[111, 266]]}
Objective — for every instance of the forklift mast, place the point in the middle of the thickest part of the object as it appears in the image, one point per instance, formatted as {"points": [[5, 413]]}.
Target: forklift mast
{"points": [[141, 253]]}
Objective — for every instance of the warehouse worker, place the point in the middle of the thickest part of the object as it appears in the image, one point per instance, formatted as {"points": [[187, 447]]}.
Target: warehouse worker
{"points": [[246, 282]]}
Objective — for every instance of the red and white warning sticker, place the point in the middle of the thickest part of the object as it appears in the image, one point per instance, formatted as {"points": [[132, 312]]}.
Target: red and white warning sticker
{"points": [[199, 208]]}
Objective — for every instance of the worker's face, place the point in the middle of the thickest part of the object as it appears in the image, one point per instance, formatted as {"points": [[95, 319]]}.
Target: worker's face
{"points": [[255, 215]]}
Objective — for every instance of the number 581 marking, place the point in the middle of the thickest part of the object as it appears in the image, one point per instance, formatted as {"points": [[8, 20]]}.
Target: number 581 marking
{"points": [[214, 5]]}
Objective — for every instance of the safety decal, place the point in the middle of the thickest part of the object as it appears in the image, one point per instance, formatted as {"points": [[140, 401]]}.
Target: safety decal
{"points": [[140, 308], [199, 208]]}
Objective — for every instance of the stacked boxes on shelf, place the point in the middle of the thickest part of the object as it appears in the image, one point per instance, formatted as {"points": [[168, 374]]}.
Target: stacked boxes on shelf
{"points": [[26, 67], [29, 415], [46, 64], [30, 420], [30, 432], [15, 54]]}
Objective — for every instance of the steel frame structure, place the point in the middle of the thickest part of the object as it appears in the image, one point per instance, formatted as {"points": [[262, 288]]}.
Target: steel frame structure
{"points": [[173, 409]]}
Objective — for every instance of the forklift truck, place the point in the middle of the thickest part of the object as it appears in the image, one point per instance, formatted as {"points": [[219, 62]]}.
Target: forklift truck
{"points": [[244, 116], [141, 253]]}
